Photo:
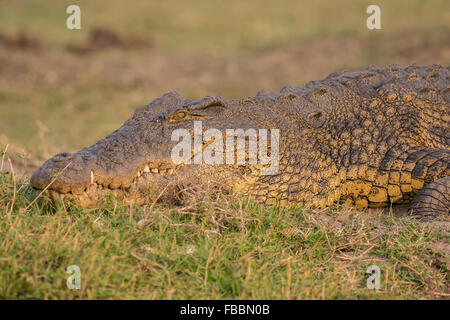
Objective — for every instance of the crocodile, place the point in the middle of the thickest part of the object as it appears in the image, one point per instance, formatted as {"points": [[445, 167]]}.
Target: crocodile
{"points": [[366, 139]]}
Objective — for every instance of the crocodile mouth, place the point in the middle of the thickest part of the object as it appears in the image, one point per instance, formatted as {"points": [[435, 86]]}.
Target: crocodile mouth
{"points": [[88, 177], [76, 176], [142, 176], [152, 178]]}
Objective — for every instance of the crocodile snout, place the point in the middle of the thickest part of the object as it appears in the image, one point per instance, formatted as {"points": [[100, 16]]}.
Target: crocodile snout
{"points": [[65, 172]]}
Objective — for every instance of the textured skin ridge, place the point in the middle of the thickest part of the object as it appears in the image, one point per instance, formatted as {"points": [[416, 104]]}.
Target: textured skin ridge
{"points": [[368, 139]]}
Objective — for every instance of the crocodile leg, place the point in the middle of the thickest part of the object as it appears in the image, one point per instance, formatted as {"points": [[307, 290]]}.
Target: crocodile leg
{"points": [[426, 175], [433, 200], [405, 175]]}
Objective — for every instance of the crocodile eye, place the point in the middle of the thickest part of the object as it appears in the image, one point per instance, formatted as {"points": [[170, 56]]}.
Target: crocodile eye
{"points": [[180, 114]]}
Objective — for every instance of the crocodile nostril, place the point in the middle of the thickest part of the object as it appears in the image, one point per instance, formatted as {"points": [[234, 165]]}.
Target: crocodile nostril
{"points": [[64, 172]]}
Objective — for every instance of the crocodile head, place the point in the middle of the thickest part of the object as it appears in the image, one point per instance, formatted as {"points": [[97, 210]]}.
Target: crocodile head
{"points": [[147, 151]]}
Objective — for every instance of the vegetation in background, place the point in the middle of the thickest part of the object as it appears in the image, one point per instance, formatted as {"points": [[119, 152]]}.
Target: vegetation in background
{"points": [[221, 247], [197, 48]]}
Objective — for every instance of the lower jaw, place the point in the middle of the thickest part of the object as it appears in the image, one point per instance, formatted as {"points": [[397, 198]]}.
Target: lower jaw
{"points": [[145, 190]]}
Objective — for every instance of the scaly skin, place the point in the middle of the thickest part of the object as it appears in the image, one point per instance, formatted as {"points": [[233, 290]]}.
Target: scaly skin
{"points": [[371, 138]]}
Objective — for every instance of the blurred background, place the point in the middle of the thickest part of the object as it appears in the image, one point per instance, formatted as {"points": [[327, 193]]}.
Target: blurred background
{"points": [[61, 90]]}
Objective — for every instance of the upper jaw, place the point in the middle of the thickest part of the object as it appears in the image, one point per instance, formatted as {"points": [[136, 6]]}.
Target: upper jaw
{"points": [[65, 172]]}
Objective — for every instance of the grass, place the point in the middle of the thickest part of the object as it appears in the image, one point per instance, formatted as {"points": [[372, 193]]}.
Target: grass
{"points": [[53, 100], [224, 249]]}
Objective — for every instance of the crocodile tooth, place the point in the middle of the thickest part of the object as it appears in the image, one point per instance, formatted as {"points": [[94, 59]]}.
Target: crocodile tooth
{"points": [[155, 170], [139, 173], [170, 171], [92, 177], [146, 169]]}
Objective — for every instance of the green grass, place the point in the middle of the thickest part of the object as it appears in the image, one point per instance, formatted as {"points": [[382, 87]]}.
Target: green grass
{"points": [[228, 249]]}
